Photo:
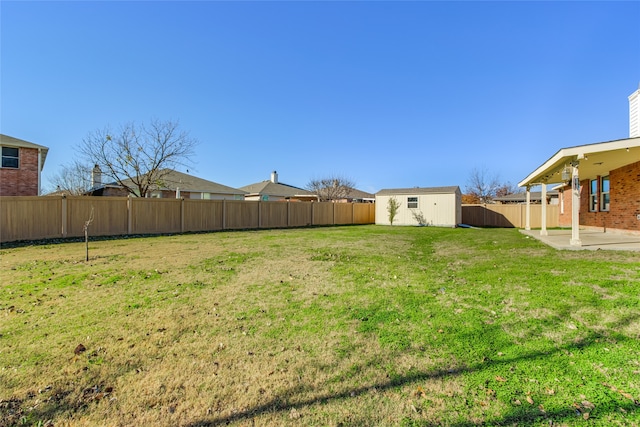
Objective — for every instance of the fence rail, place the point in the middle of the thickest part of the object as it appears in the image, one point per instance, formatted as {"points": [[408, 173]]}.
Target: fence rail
{"points": [[508, 215], [33, 218]]}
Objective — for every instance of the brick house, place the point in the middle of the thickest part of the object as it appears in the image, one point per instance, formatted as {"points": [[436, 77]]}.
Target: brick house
{"points": [[599, 183], [21, 167], [619, 212], [170, 184], [599, 186], [274, 190]]}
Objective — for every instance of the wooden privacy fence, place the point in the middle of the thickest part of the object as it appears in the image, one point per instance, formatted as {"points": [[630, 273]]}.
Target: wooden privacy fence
{"points": [[31, 218], [508, 215]]}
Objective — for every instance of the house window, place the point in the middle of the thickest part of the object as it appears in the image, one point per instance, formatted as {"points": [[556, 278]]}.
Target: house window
{"points": [[412, 202], [10, 157], [593, 195], [604, 193]]}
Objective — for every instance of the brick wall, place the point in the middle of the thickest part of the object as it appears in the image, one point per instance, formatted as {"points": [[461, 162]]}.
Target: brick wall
{"points": [[625, 198], [114, 192], [624, 201], [564, 218], [24, 180], [592, 219]]}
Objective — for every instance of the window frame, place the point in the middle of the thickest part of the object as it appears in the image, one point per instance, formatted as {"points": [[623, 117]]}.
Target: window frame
{"points": [[412, 200], [593, 195], [11, 158], [605, 206]]}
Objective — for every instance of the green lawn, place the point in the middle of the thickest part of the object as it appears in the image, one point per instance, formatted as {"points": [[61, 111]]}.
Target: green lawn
{"points": [[338, 326]]}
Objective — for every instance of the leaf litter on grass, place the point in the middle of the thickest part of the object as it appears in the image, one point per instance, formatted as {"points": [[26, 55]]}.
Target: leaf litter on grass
{"points": [[386, 326]]}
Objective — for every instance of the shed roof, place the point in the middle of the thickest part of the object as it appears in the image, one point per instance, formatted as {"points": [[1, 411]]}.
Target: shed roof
{"points": [[7, 140], [418, 190]]}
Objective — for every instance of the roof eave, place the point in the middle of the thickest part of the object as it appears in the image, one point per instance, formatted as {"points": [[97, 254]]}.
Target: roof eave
{"points": [[570, 154]]}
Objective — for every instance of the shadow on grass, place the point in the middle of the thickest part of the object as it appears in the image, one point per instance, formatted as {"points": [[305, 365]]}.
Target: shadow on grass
{"points": [[15, 412], [50, 405], [518, 415]]}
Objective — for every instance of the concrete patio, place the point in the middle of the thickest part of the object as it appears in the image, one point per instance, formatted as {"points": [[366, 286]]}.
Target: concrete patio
{"points": [[591, 240]]}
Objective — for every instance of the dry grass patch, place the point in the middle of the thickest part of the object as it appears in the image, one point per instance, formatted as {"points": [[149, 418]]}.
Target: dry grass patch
{"points": [[335, 326]]}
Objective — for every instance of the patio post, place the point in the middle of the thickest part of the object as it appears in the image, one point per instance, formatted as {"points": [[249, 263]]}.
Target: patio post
{"points": [[543, 211], [527, 211], [575, 206]]}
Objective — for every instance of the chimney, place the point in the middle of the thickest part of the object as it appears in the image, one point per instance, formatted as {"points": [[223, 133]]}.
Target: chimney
{"points": [[634, 114], [96, 177], [274, 177]]}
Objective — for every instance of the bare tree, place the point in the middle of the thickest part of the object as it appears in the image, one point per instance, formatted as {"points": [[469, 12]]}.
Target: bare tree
{"points": [[507, 188], [331, 188], [87, 223], [482, 186], [73, 179], [137, 157]]}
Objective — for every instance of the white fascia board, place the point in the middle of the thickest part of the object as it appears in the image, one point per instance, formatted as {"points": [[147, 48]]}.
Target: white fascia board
{"points": [[569, 154]]}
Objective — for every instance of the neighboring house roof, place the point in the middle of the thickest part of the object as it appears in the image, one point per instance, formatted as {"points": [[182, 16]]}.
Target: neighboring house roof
{"points": [[270, 188], [418, 190], [594, 160], [6, 140], [172, 180], [58, 193], [535, 196], [357, 194]]}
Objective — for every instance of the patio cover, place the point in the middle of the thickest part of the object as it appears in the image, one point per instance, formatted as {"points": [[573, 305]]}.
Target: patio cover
{"points": [[579, 163]]}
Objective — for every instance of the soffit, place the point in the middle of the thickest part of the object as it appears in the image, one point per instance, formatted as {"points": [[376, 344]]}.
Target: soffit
{"points": [[593, 160]]}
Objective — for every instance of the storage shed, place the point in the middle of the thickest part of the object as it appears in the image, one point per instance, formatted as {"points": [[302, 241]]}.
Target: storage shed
{"points": [[433, 206]]}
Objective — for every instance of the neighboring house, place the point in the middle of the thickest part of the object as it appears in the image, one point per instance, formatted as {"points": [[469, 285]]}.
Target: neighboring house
{"points": [[357, 196], [599, 183], [521, 198], [173, 184], [437, 206], [21, 168], [272, 190]]}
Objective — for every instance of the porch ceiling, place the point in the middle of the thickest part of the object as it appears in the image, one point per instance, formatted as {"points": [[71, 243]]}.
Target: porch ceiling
{"points": [[594, 159]]}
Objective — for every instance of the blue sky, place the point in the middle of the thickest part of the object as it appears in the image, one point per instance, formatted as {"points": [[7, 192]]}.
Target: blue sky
{"points": [[389, 94]]}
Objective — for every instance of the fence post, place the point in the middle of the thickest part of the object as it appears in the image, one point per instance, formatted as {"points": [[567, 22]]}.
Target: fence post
{"points": [[259, 213], [484, 215], [64, 216], [182, 214], [353, 213], [224, 214], [288, 213], [333, 211], [129, 214], [313, 209]]}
